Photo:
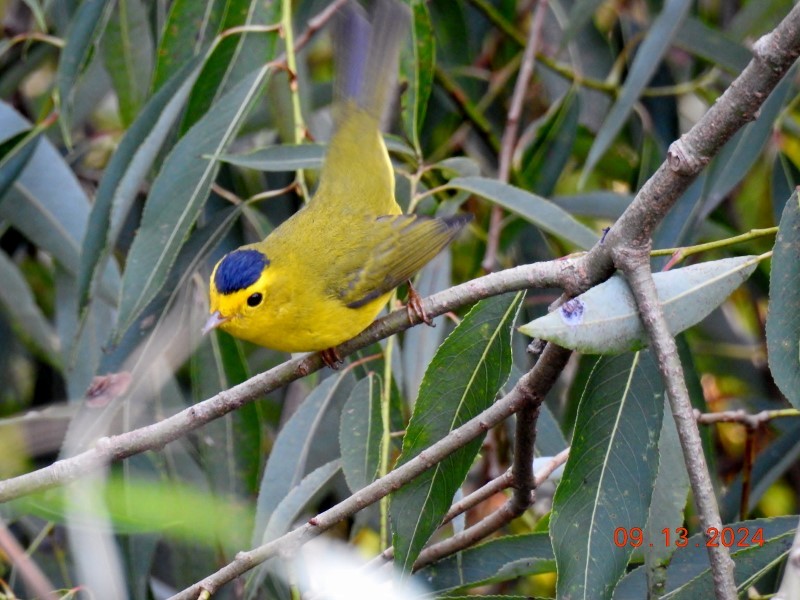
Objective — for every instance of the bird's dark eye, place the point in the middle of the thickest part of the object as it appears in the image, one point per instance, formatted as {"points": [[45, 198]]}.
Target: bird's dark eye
{"points": [[254, 299]]}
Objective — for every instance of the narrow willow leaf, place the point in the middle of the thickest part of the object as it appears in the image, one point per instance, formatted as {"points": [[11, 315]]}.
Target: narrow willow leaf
{"points": [[580, 15], [741, 152], [361, 432], [599, 205], [142, 340], [178, 195], [539, 211], [461, 381], [668, 503], [15, 152], [713, 45], [689, 575], [230, 447], [608, 479], [288, 459], [24, 315], [293, 157], [544, 159], [418, 68], [128, 55], [605, 319], [125, 172], [648, 56], [283, 158], [190, 26], [783, 320], [421, 343], [497, 560], [234, 57], [298, 498], [85, 29], [56, 223]]}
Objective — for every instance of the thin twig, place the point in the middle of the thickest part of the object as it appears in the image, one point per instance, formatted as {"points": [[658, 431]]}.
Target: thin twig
{"points": [[509, 141], [747, 419]]}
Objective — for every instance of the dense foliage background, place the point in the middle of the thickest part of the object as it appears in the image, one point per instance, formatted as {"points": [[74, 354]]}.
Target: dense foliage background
{"points": [[141, 140]]}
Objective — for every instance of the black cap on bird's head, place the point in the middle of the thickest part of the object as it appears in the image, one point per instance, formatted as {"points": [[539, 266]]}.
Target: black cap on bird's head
{"points": [[238, 270]]}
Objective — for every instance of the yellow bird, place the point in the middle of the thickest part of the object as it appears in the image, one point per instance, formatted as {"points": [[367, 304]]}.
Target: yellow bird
{"points": [[324, 274]]}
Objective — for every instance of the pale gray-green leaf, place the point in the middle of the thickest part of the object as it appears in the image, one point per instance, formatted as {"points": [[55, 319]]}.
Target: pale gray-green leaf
{"points": [[605, 319], [539, 211]]}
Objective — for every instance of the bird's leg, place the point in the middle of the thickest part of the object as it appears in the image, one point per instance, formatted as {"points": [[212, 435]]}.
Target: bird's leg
{"points": [[331, 358], [414, 307]]}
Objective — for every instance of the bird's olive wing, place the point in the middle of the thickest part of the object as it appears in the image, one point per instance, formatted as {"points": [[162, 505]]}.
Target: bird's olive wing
{"points": [[399, 246]]}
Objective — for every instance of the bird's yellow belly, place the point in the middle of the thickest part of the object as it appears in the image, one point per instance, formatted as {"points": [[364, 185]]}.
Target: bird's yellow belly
{"points": [[302, 327]]}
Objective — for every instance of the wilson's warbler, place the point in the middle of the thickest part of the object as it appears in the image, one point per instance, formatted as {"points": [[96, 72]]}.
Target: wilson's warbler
{"points": [[323, 275]]}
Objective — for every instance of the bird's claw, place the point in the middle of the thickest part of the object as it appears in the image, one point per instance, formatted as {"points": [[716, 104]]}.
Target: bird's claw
{"points": [[331, 358], [415, 308]]}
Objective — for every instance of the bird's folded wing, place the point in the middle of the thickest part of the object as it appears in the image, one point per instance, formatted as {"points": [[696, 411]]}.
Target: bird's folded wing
{"points": [[402, 244]]}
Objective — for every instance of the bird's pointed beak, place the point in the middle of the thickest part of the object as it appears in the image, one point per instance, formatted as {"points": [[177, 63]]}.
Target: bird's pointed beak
{"points": [[215, 320]]}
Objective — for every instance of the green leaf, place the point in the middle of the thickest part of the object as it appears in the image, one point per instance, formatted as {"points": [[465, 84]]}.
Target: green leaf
{"points": [[599, 205], [648, 56], [178, 195], [231, 447], [605, 319], [421, 343], [361, 432], [713, 45], [742, 151], [689, 575], [783, 320], [289, 456], [298, 498], [55, 222], [190, 27], [85, 28], [282, 158], [234, 57], [145, 338], [418, 69], [128, 55], [494, 561], [24, 315], [539, 211], [581, 13], [668, 502], [461, 381], [608, 479], [547, 156], [15, 152], [125, 173]]}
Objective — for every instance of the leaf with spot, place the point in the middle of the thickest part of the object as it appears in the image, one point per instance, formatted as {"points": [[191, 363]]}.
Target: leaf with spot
{"points": [[609, 477], [462, 380], [605, 319]]}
